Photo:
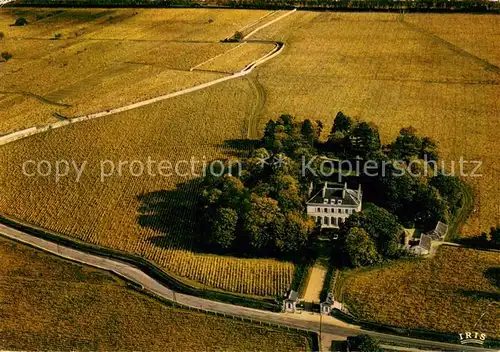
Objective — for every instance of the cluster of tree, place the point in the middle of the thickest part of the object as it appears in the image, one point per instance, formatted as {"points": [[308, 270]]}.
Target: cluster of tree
{"points": [[237, 37], [402, 175], [261, 210], [415, 200], [351, 139], [408, 146], [291, 137], [21, 21], [370, 236]]}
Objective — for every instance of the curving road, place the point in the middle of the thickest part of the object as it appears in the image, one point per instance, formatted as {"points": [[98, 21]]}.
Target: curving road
{"points": [[304, 321]]}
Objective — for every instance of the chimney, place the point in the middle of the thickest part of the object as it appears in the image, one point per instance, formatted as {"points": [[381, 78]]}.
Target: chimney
{"points": [[359, 192], [344, 190], [309, 192], [324, 189]]}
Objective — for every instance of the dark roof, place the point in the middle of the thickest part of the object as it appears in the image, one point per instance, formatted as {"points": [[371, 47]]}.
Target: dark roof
{"points": [[350, 198], [439, 233], [293, 295], [329, 299], [425, 242]]}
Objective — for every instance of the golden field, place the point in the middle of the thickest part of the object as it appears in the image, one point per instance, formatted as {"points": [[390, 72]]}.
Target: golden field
{"points": [[144, 215], [434, 72], [373, 66], [109, 58], [447, 293], [52, 304]]}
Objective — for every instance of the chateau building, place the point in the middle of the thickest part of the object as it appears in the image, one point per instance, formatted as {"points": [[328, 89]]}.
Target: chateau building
{"points": [[332, 205]]}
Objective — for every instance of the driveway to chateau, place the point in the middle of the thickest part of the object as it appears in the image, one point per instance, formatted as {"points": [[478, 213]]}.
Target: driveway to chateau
{"points": [[326, 325]]}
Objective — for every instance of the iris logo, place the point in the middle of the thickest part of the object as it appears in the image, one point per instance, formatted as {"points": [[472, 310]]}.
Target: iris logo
{"points": [[472, 337]]}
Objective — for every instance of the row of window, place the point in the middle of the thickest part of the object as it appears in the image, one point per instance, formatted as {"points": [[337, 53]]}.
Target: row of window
{"points": [[330, 220], [339, 211]]}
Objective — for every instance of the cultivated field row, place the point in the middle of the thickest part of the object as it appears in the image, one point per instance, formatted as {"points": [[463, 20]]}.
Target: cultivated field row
{"points": [[94, 67], [135, 213], [367, 65], [451, 292]]}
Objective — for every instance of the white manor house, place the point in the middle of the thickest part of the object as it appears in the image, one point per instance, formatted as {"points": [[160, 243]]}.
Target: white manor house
{"points": [[332, 205]]}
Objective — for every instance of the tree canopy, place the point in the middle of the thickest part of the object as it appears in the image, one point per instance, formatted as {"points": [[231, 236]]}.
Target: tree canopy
{"points": [[360, 248], [381, 226], [262, 210]]}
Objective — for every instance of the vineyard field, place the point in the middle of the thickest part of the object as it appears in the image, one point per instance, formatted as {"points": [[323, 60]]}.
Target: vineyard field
{"points": [[108, 58], [149, 215], [379, 67], [448, 293], [52, 304]]}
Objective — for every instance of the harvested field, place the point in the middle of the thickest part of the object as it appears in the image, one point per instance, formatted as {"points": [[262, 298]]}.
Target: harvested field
{"points": [[447, 293], [108, 58], [150, 215], [379, 68], [52, 304]]}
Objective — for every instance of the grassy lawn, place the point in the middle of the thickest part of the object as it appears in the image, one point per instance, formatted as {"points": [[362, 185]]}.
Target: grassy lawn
{"points": [[47, 303], [447, 293]]}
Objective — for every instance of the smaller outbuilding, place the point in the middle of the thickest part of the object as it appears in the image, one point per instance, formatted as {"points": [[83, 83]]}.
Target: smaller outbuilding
{"points": [[290, 302], [327, 306]]}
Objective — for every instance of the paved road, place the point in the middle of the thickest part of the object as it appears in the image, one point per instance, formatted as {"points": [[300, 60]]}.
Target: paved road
{"points": [[305, 321]]}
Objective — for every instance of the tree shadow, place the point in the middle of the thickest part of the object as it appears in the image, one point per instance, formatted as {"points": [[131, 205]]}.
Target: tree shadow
{"points": [[478, 295], [493, 275], [481, 241], [239, 148], [171, 213]]}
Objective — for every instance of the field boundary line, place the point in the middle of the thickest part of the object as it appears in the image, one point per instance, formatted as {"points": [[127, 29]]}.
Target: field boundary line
{"points": [[245, 71], [269, 23], [216, 56], [449, 45]]}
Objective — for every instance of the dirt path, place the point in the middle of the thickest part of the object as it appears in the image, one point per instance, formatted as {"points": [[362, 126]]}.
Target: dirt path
{"points": [[260, 101], [315, 284], [245, 71]]}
